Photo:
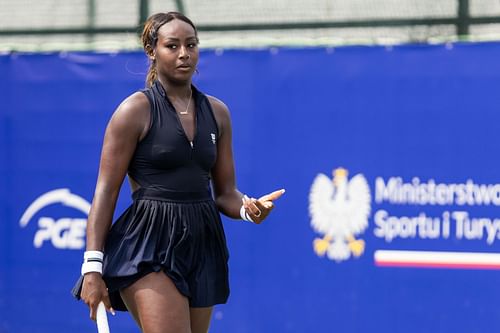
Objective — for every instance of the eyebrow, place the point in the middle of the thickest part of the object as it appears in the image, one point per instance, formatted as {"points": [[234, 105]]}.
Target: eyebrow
{"points": [[177, 39]]}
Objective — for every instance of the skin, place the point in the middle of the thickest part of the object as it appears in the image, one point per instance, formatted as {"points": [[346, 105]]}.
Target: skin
{"points": [[154, 301]]}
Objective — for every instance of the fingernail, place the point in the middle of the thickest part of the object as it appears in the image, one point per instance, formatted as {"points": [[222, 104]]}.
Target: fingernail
{"points": [[113, 312]]}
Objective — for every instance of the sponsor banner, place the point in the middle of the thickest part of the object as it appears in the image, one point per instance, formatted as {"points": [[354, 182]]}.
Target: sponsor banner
{"points": [[65, 232], [390, 220], [340, 210]]}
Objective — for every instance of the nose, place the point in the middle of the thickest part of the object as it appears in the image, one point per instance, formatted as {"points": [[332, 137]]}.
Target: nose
{"points": [[183, 53]]}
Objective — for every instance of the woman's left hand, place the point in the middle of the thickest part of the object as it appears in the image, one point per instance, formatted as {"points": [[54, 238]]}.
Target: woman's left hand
{"points": [[259, 209]]}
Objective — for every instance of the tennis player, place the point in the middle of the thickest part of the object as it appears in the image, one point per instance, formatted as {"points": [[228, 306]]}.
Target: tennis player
{"points": [[165, 258]]}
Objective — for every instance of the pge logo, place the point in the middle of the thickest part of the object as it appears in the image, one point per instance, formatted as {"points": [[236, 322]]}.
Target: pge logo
{"points": [[64, 233]]}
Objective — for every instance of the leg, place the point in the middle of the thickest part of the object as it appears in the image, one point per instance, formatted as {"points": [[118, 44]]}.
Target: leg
{"points": [[200, 319], [157, 305], [131, 307]]}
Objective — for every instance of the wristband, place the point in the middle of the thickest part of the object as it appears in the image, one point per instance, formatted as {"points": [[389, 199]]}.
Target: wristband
{"points": [[91, 266], [244, 215], [92, 262], [93, 255]]}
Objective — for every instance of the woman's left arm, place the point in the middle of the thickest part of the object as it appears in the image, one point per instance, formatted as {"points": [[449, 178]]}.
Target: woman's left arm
{"points": [[227, 197]]}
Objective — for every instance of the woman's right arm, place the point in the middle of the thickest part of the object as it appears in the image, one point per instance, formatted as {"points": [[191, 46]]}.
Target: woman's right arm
{"points": [[128, 125]]}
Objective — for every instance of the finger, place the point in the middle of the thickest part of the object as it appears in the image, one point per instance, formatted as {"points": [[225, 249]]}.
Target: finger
{"points": [[269, 205], [107, 304], [249, 203], [272, 196], [93, 310], [265, 208], [252, 207], [264, 205]]}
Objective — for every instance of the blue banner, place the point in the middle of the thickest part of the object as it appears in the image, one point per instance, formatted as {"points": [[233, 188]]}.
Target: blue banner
{"points": [[389, 157]]}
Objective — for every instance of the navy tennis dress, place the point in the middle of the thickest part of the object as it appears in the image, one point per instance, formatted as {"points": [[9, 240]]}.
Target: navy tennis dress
{"points": [[173, 224]]}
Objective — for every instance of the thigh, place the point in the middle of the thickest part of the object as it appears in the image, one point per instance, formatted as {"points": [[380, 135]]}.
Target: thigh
{"points": [[200, 319], [157, 305]]}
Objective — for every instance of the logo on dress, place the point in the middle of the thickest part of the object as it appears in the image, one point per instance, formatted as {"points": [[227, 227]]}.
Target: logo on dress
{"points": [[213, 137], [339, 210], [63, 233]]}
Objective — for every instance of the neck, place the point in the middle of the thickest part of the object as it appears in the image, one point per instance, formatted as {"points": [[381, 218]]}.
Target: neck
{"points": [[176, 89]]}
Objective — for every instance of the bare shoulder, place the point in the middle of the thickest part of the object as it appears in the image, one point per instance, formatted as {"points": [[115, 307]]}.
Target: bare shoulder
{"points": [[221, 111], [133, 114], [134, 106]]}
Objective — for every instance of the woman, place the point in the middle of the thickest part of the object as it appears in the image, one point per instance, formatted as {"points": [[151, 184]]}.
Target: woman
{"points": [[166, 256]]}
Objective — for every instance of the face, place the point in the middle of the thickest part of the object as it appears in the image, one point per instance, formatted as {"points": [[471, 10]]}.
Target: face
{"points": [[176, 51]]}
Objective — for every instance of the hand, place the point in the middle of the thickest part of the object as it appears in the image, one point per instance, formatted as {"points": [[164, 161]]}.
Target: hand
{"points": [[258, 209], [93, 292]]}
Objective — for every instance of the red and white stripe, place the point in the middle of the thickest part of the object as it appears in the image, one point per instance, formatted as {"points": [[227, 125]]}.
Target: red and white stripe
{"points": [[437, 259]]}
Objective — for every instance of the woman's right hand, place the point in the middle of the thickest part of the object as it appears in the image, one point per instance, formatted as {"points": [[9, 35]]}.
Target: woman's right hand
{"points": [[93, 292]]}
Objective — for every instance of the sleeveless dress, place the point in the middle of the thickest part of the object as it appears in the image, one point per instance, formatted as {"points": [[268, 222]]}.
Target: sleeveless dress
{"points": [[173, 224]]}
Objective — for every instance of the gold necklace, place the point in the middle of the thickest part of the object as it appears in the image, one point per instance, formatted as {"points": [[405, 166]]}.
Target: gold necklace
{"points": [[189, 103]]}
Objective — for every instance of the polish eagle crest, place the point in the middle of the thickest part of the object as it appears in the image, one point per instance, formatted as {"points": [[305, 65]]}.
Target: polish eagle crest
{"points": [[339, 210]]}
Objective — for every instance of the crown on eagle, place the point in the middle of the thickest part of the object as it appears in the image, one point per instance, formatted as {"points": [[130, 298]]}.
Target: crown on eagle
{"points": [[340, 172]]}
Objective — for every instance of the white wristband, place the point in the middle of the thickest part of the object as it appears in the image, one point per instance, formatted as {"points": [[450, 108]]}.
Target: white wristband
{"points": [[244, 215], [92, 262], [93, 255], [91, 266]]}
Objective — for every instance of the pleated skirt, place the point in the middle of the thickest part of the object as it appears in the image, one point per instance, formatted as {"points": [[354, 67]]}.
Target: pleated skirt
{"points": [[178, 233]]}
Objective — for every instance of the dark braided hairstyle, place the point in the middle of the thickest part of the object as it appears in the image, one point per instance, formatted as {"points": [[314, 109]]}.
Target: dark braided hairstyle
{"points": [[149, 38]]}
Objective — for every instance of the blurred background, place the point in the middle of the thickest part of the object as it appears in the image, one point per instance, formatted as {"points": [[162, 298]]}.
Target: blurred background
{"points": [[387, 111], [93, 24]]}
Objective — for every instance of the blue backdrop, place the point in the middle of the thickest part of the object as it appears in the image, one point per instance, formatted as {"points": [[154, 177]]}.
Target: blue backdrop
{"points": [[419, 123]]}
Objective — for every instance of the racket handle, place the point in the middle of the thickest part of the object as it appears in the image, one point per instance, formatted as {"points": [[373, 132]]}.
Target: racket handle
{"points": [[102, 319]]}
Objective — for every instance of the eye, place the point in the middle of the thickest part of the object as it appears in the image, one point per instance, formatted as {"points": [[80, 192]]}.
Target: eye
{"points": [[191, 45], [171, 46]]}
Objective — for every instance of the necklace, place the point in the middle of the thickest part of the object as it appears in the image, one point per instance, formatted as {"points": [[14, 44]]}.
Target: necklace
{"points": [[189, 103]]}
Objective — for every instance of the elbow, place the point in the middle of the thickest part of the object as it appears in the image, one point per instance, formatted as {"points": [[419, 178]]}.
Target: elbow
{"points": [[219, 202], [222, 203], [227, 204]]}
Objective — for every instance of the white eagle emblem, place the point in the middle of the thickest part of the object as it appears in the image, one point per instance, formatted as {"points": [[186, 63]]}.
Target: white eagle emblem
{"points": [[339, 210]]}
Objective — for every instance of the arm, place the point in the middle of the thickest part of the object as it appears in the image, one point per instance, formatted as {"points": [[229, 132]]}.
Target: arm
{"points": [[227, 197], [127, 126]]}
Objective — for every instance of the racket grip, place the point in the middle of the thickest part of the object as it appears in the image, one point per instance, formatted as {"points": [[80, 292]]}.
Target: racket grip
{"points": [[102, 319]]}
